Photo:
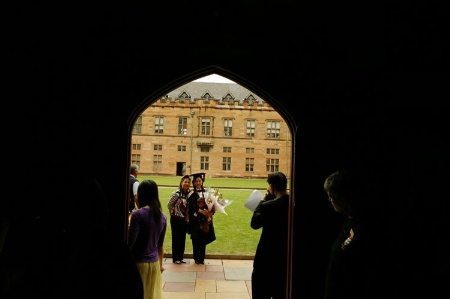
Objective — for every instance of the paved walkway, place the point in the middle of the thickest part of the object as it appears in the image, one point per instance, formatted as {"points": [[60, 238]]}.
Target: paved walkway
{"points": [[216, 279]]}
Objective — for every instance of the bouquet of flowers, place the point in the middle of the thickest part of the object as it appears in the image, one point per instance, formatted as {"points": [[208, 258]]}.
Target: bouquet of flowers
{"points": [[214, 198]]}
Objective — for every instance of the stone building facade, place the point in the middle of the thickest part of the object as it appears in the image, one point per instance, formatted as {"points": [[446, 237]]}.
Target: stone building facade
{"points": [[221, 129]]}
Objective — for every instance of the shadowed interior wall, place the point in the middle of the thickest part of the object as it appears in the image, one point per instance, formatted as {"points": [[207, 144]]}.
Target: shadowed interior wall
{"points": [[357, 89]]}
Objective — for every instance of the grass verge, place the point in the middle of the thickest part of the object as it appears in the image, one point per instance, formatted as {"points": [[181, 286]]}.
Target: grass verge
{"points": [[234, 236]]}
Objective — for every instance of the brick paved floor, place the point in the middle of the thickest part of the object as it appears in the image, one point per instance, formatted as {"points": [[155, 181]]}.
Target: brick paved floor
{"points": [[216, 279]]}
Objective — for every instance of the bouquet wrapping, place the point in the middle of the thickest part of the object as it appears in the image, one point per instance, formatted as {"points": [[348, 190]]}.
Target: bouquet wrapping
{"points": [[214, 198]]}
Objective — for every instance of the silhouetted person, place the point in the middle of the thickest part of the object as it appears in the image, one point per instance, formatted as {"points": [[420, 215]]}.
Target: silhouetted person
{"points": [[270, 262], [356, 252]]}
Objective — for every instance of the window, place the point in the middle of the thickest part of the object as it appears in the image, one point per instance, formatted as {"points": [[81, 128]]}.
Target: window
{"points": [[204, 149], [157, 147], [157, 162], [273, 151], [182, 125], [272, 165], [226, 163], [136, 159], [159, 124], [227, 149], [136, 146], [204, 163], [228, 127], [137, 127], [273, 129], [250, 128], [249, 163], [206, 126], [249, 150], [182, 148]]}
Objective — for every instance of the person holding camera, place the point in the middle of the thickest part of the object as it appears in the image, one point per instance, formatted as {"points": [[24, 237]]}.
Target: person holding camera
{"points": [[270, 261]]}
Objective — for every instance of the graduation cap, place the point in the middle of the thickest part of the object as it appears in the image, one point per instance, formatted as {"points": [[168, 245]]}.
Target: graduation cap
{"points": [[198, 175]]}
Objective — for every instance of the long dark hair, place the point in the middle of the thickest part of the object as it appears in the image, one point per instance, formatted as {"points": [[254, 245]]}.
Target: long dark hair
{"points": [[186, 176], [148, 195], [195, 176]]}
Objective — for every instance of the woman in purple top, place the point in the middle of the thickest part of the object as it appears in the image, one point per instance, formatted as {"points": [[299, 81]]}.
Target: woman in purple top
{"points": [[146, 235]]}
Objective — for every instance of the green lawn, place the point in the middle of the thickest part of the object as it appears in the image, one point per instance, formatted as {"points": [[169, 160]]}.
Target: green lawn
{"points": [[234, 236]]}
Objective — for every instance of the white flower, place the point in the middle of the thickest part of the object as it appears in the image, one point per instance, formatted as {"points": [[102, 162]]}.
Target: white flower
{"points": [[214, 197]]}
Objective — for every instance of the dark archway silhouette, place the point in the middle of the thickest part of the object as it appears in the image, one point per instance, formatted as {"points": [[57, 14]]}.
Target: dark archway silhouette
{"points": [[254, 88]]}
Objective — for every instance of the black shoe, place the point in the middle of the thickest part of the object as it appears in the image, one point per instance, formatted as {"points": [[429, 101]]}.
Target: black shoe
{"points": [[199, 263]]}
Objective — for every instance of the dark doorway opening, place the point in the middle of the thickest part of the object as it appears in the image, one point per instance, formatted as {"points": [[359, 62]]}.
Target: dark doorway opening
{"points": [[181, 168]]}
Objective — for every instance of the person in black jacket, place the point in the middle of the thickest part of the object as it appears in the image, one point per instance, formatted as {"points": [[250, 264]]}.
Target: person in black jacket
{"points": [[199, 215], [354, 255], [270, 261]]}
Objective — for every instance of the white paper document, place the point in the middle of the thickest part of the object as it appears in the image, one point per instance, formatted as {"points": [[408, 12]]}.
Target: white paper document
{"points": [[253, 200]]}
